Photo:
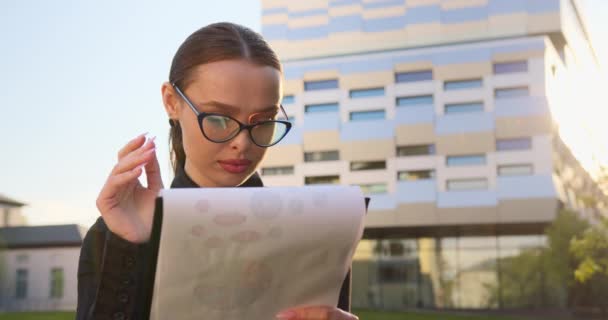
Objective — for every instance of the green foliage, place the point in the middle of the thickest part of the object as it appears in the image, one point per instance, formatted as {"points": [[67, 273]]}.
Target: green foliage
{"points": [[522, 283], [567, 226], [592, 250], [38, 316]]}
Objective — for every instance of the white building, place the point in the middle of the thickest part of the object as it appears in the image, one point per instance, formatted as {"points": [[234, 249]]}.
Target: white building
{"points": [[38, 264], [10, 212]]}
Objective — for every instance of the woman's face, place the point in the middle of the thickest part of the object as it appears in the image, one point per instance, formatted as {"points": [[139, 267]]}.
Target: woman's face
{"points": [[237, 88]]}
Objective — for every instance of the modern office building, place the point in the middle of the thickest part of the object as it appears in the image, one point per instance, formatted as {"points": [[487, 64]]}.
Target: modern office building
{"points": [[443, 111]]}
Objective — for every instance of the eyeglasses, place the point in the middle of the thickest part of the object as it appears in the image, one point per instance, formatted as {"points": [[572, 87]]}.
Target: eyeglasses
{"points": [[220, 128]]}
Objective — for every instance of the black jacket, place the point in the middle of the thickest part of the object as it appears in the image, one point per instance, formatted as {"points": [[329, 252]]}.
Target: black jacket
{"points": [[110, 269]]}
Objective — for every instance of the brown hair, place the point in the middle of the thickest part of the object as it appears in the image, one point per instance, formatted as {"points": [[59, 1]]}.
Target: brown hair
{"points": [[215, 42]]}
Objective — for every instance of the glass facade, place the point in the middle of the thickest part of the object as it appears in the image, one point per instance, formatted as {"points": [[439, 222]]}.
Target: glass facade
{"points": [[275, 171], [413, 175], [288, 99], [414, 76], [415, 100], [415, 150], [474, 272], [321, 107], [514, 144], [467, 184], [367, 165], [374, 188], [364, 93], [463, 107], [322, 180], [367, 115], [329, 155], [320, 85], [511, 92], [462, 84], [511, 67], [466, 160]]}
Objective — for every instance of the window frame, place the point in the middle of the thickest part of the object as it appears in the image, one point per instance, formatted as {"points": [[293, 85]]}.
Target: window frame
{"points": [[463, 84], [414, 76], [316, 85]]}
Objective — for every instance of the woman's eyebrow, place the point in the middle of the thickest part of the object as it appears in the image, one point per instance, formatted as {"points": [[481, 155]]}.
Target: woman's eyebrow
{"points": [[234, 109]]}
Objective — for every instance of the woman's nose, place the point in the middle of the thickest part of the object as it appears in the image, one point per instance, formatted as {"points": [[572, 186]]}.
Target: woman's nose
{"points": [[242, 141]]}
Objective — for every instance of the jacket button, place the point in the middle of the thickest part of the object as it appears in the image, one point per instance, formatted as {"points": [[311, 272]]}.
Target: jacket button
{"points": [[123, 297], [129, 262], [126, 281], [119, 316]]}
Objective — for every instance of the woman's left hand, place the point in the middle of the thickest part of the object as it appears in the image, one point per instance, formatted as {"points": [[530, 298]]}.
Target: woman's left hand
{"points": [[316, 313]]}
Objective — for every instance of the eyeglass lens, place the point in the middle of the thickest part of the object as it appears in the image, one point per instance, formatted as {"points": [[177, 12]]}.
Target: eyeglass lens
{"points": [[220, 128]]}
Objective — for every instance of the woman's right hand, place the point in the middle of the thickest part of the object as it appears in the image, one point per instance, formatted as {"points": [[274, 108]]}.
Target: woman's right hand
{"points": [[126, 206]]}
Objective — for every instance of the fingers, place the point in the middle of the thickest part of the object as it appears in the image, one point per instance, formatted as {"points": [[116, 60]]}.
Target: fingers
{"points": [[136, 157], [316, 313], [113, 187], [132, 145], [132, 158], [155, 181]]}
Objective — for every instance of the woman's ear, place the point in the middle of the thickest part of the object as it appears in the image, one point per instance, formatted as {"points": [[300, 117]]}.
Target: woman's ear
{"points": [[170, 101]]}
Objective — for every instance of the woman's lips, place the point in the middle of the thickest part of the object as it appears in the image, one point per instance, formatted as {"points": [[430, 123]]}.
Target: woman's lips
{"points": [[235, 165]]}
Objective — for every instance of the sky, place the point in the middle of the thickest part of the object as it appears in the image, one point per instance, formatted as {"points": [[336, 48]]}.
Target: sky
{"points": [[80, 79]]}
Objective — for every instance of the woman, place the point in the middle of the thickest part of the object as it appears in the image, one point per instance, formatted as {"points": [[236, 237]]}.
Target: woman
{"points": [[222, 99]]}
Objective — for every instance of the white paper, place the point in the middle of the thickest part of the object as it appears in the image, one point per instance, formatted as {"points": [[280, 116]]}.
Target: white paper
{"points": [[248, 253]]}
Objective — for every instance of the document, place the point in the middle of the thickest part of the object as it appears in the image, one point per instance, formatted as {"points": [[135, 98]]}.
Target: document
{"points": [[248, 253]]}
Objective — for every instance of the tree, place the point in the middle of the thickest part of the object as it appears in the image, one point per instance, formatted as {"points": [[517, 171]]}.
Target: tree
{"points": [[591, 250], [544, 276], [561, 265]]}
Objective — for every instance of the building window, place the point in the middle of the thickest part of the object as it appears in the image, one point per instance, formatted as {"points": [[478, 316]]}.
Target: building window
{"points": [[367, 165], [415, 100], [462, 84], [413, 175], [467, 184], [468, 160], [314, 156], [515, 170], [21, 284], [397, 272], [464, 107], [321, 107], [320, 85], [291, 119], [364, 93], [277, 171], [322, 180], [415, 150], [511, 67], [514, 144], [56, 283], [367, 115], [511, 92], [288, 99], [373, 188], [414, 76]]}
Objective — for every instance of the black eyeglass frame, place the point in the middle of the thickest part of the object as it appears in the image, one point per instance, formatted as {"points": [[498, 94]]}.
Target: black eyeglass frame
{"points": [[201, 115]]}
